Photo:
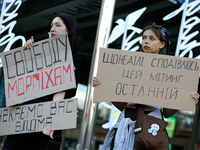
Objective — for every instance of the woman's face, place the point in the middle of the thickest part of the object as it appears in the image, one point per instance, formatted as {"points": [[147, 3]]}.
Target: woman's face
{"points": [[58, 27], [150, 43]]}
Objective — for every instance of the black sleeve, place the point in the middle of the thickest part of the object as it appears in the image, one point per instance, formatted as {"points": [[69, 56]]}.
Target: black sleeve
{"points": [[77, 63], [198, 90]]}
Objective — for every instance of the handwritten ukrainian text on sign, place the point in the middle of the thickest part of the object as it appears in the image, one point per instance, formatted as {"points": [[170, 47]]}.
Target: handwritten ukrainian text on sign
{"points": [[44, 69], [34, 117], [152, 79]]}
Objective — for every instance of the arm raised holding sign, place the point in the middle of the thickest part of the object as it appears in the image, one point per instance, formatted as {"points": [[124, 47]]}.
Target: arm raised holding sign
{"points": [[61, 24], [155, 40]]}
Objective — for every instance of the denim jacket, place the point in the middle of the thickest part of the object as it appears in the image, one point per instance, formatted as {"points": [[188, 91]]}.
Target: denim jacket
{"points": [[122, 134]]}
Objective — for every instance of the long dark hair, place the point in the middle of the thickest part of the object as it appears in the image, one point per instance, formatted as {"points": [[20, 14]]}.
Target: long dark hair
{"points": [[74, 31], [162, 34]]}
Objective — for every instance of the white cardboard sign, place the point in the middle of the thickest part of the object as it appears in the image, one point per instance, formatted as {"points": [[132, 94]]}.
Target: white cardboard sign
{"points": [[34, 117], [152, 79], [44, 69]]}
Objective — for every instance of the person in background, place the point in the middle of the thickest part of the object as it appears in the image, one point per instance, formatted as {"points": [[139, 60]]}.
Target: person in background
{"points": [[155, 40], [49, 139]]}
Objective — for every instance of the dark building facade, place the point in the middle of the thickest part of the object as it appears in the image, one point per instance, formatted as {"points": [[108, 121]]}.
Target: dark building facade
{"points": [[25, 18]]}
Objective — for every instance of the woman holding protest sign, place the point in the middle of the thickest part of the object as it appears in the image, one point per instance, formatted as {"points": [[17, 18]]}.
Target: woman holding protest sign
{"points": [[49, 139], [155, 40]]}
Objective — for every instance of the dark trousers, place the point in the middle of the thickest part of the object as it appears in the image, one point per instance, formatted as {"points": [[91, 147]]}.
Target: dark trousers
{"points": [[33, 141]]}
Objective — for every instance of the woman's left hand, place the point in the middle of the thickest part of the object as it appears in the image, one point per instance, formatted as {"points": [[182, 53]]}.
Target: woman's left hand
{"points": [[48, 131], [29, 43], [195, 95], [57, 96], [95, 81]]}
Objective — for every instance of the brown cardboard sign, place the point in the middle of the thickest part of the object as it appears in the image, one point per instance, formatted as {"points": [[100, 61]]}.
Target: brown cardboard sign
{"points": [[44, 69], [151, 79], [34, 117]]}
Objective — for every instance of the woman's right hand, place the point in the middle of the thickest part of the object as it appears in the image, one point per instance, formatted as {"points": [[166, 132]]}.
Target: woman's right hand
{"points": [[29, 43], [95, 81]]}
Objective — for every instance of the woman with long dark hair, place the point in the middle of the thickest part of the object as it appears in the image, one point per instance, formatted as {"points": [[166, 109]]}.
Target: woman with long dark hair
{"points": [[49, 139]]}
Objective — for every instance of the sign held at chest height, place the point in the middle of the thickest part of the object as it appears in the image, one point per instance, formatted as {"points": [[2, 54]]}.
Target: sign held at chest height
{"points": [[35, 117], [151, 79], [47, 67]]}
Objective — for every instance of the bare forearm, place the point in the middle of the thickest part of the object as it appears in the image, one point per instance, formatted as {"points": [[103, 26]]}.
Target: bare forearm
{"points": [[58, 96]]}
